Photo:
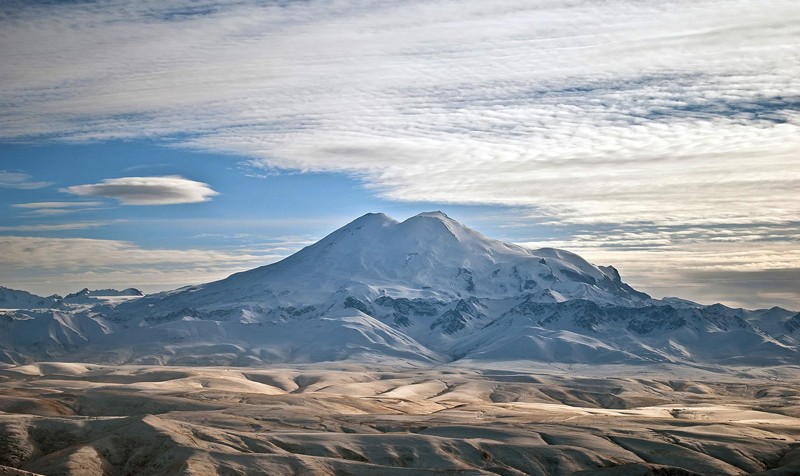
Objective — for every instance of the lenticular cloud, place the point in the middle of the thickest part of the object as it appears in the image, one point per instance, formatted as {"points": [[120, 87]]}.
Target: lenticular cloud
{"points": [[166, 190]]}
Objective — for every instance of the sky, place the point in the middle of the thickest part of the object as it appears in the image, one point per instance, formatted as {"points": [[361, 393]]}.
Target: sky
{"points": [[157, 144]]}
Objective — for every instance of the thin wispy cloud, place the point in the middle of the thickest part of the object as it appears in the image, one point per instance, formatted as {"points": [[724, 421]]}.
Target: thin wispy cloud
{"points": [[52, 227], [19, 181], [49, 209], [167, 190], [56, 205], [41, 263]]}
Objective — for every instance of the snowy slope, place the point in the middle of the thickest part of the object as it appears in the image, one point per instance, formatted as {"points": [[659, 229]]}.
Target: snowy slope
{"points": [[428, 256], [572, 330], [427, 290], [27, 335], [14, 299]]}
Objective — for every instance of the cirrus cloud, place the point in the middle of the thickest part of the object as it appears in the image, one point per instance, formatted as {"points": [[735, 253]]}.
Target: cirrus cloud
{"points": [[49, 265], [166, 190], [19, 181], [44, 209], [55, 205], [586, 112]]}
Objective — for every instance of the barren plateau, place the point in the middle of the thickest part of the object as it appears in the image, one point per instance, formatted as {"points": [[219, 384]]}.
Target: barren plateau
{"points": [[81, 419]]}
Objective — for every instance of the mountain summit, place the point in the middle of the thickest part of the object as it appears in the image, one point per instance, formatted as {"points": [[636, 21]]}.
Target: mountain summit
{"points": [[427, 289], [426, 256]]}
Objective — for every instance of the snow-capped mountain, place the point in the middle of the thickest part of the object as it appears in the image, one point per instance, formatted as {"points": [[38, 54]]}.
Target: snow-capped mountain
{"points": [[427, 257], [427, 289], [96, 296], [86, 292], [15, 299]]}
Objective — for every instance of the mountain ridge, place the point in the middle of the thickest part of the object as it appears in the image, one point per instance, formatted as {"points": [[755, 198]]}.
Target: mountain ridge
{"points": [[427, 290]]}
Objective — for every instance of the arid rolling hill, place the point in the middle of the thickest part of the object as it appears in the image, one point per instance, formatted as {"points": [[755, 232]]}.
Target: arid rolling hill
{"points": [[83, 419]]}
